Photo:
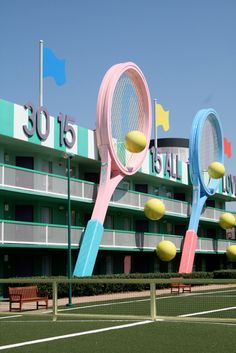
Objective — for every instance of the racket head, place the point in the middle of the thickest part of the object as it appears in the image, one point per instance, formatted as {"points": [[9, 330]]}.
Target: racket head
{"points": [[123, 105], [206, 146]]}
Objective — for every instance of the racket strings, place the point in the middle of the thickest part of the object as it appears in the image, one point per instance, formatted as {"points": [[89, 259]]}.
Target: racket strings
{"points": [[127, 114], [209, 147]]}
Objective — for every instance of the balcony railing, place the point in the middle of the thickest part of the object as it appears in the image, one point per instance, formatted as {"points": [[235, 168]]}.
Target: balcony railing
{"points": [[56, 186], [30, 234]]}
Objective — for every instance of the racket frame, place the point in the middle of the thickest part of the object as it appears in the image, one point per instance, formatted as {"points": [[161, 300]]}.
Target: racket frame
{"points": [[112, 171], [201, 191]]}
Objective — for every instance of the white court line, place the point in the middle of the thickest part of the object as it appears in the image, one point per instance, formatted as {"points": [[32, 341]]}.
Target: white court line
{"points": [[215, 292], [49, 339], [9, 317], [77, 320], [209, 311], [97, 305], [111, 303]]}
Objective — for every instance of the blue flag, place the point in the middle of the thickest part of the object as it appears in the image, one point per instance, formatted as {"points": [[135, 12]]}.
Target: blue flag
{"points": [[53, 67]]}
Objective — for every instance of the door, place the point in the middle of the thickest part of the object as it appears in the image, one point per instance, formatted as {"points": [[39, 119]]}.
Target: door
{"points": [[46, 215], [25, 178], [24, 232]]}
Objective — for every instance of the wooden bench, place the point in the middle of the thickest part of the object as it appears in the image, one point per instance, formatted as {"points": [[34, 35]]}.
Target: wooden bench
{"points": [[177, 285], [20, 295]]}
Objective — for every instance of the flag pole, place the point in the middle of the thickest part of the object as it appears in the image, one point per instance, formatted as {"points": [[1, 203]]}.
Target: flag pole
{"points": [[40, 73], [155, 125]]}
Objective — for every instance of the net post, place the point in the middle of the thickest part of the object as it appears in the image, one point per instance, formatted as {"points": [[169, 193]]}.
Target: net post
{"points": [[54, 300], [153, 300]]}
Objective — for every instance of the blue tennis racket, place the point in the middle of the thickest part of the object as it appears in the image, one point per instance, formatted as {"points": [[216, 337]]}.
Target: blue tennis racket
{"points": [[205, 147]]}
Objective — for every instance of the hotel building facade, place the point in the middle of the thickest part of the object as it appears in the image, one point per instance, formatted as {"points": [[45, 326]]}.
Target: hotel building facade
{"points": [[34, 152]]}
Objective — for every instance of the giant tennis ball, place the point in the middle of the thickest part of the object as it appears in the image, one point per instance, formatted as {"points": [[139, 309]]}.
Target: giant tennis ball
{"points": [[216, 170], [154, 209], [231, 252], [166, 250], [135, 141], [227, 220]]}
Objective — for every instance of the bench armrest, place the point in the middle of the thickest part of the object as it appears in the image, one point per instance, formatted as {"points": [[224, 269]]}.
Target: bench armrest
{"points": [[13, 297]]}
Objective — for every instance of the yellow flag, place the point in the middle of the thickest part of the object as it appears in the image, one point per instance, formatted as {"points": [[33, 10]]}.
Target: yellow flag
{"points": [[162, 117]]}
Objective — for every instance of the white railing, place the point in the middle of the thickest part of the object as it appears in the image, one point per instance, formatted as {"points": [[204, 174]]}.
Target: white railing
{"points": [[28, 233], [50, 235], [53, 185], [32, 181]]}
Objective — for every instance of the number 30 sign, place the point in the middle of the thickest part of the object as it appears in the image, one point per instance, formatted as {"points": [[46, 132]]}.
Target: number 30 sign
{"points": [[35, 125]]}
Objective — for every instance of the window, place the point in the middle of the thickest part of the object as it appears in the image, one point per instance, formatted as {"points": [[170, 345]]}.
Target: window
{"points": [[93, 177], [126, 223], [109, 224], [210, 203], [25, 162], [156, 227], [125, 185], [169, 228], [211, 233], [179, 196], [141, 188], [24, 213], [73, 217], [180, 229], [141, 225]]}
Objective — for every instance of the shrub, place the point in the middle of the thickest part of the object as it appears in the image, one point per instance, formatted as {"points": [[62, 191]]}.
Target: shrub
{"points": [[225, 274]]}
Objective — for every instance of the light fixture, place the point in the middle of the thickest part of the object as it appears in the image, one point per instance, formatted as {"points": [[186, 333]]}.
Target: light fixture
{"points": [[6, 157], [5, 258]]}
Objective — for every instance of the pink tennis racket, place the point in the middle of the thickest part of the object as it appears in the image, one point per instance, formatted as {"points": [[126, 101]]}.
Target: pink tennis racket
{"points": [[123, 105]]}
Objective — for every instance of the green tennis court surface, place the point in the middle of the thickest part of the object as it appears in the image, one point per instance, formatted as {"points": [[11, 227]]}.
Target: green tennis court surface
{"points": [[174, 337], [218, 303], [37, 333]]}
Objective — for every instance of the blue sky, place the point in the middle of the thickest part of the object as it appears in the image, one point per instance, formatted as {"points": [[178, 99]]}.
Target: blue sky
{"points": [[185, 48]]}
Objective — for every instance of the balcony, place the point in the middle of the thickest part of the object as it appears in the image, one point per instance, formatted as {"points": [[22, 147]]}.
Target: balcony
{"points": [[27, 181], [18, 234]]}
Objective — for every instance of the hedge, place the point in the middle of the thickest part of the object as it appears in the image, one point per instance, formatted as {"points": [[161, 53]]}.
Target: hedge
{"points": [[225, 274], [90, 289]]}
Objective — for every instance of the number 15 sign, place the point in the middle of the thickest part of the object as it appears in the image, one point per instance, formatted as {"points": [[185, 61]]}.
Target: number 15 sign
{"points": [[35, 123]]}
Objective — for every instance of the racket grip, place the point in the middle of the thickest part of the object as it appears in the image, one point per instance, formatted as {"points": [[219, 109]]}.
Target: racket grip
{"points": [[89, 249], [188, 252]]}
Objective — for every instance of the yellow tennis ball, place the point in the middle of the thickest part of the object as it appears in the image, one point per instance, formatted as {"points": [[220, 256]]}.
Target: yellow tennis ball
{"points": [[216, 170], [154, 209], [166, 250], [135, 141], [231, 253], [227, 220]]}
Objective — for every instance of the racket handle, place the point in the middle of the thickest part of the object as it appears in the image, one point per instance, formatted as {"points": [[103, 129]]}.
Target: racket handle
{"points": [[188, 252], [88, 249]]}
